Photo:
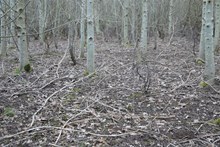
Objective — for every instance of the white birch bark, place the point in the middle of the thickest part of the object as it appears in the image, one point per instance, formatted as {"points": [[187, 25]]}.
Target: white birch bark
{"points": [[97, 16], [90, 38], [125, 22], [202, 34], [143, 43], [133, 23], [41, 9], [170, 26], [3, 30], [209, 72], [22, 40], [82, 29], [12, 16], [217, 25]]}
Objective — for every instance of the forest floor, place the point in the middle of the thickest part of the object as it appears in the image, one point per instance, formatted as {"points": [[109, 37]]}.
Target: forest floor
{"points": [[156, 103]]}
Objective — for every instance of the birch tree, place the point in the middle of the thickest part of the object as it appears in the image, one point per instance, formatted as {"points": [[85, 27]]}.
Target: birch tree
{"points": [[97, 13], [202, 34], [56, 23], [170, 26], [154, 24], [42, 19], [82, 29], [209, 72], [12, 17], [143, 43], [133, 21], [71, 34], [22, 40], [217, 24], [3, 29], [90, 37], [125, 22]]}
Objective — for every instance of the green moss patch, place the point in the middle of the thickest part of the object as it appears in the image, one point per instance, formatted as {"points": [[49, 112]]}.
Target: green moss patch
{"points": [[9, 112]]}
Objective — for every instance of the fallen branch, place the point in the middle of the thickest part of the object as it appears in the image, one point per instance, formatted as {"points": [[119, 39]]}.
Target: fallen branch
{"points": [[45, 102]]}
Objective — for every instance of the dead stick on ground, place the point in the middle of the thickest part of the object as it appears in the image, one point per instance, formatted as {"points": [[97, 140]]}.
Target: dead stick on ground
{"points": [[65, 129], [61, 78], [57, 71], [45, 102], [42, 74]]}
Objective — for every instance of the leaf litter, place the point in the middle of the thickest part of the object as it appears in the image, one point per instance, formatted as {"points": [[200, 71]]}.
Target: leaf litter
{"points": [[157, 103]]}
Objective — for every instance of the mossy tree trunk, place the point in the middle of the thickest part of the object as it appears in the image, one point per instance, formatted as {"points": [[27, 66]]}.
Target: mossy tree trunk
{"points": [[22, 39], [90, 37], [209, 72]]}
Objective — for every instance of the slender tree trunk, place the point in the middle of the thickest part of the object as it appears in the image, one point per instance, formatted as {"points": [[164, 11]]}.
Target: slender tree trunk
{"points": [[170, 27], [116, 19], [155, 24], [1, 14], [217, 25], [12, 25], [202, 34], [133, 25], [3, 29], [143, 43], [57, 20], [125, 23], [22, 40], [90, 38], [97, 14], [71, 34], [209, 73], [82, 29], [42, 12]]}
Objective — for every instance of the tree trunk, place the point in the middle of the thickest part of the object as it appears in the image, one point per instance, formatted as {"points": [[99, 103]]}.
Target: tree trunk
{"points": [[12, 17], [155, 24], [170, 27], [3, 29], [71, 35], [82, 29], [42, 12], [57, 20], [97, 14], [209, 72], [90, 38], [22, 40], [202, 34], [125, 17], [143, 43], [133, 23], [217, 25]]}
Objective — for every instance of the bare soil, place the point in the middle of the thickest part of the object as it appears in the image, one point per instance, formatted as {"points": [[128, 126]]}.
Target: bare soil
{"points": [[155, 103]]}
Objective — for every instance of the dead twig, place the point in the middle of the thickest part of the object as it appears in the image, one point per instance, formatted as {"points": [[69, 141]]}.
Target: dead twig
{"points": [[56, 92], [52, 81], [59, 64]]}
